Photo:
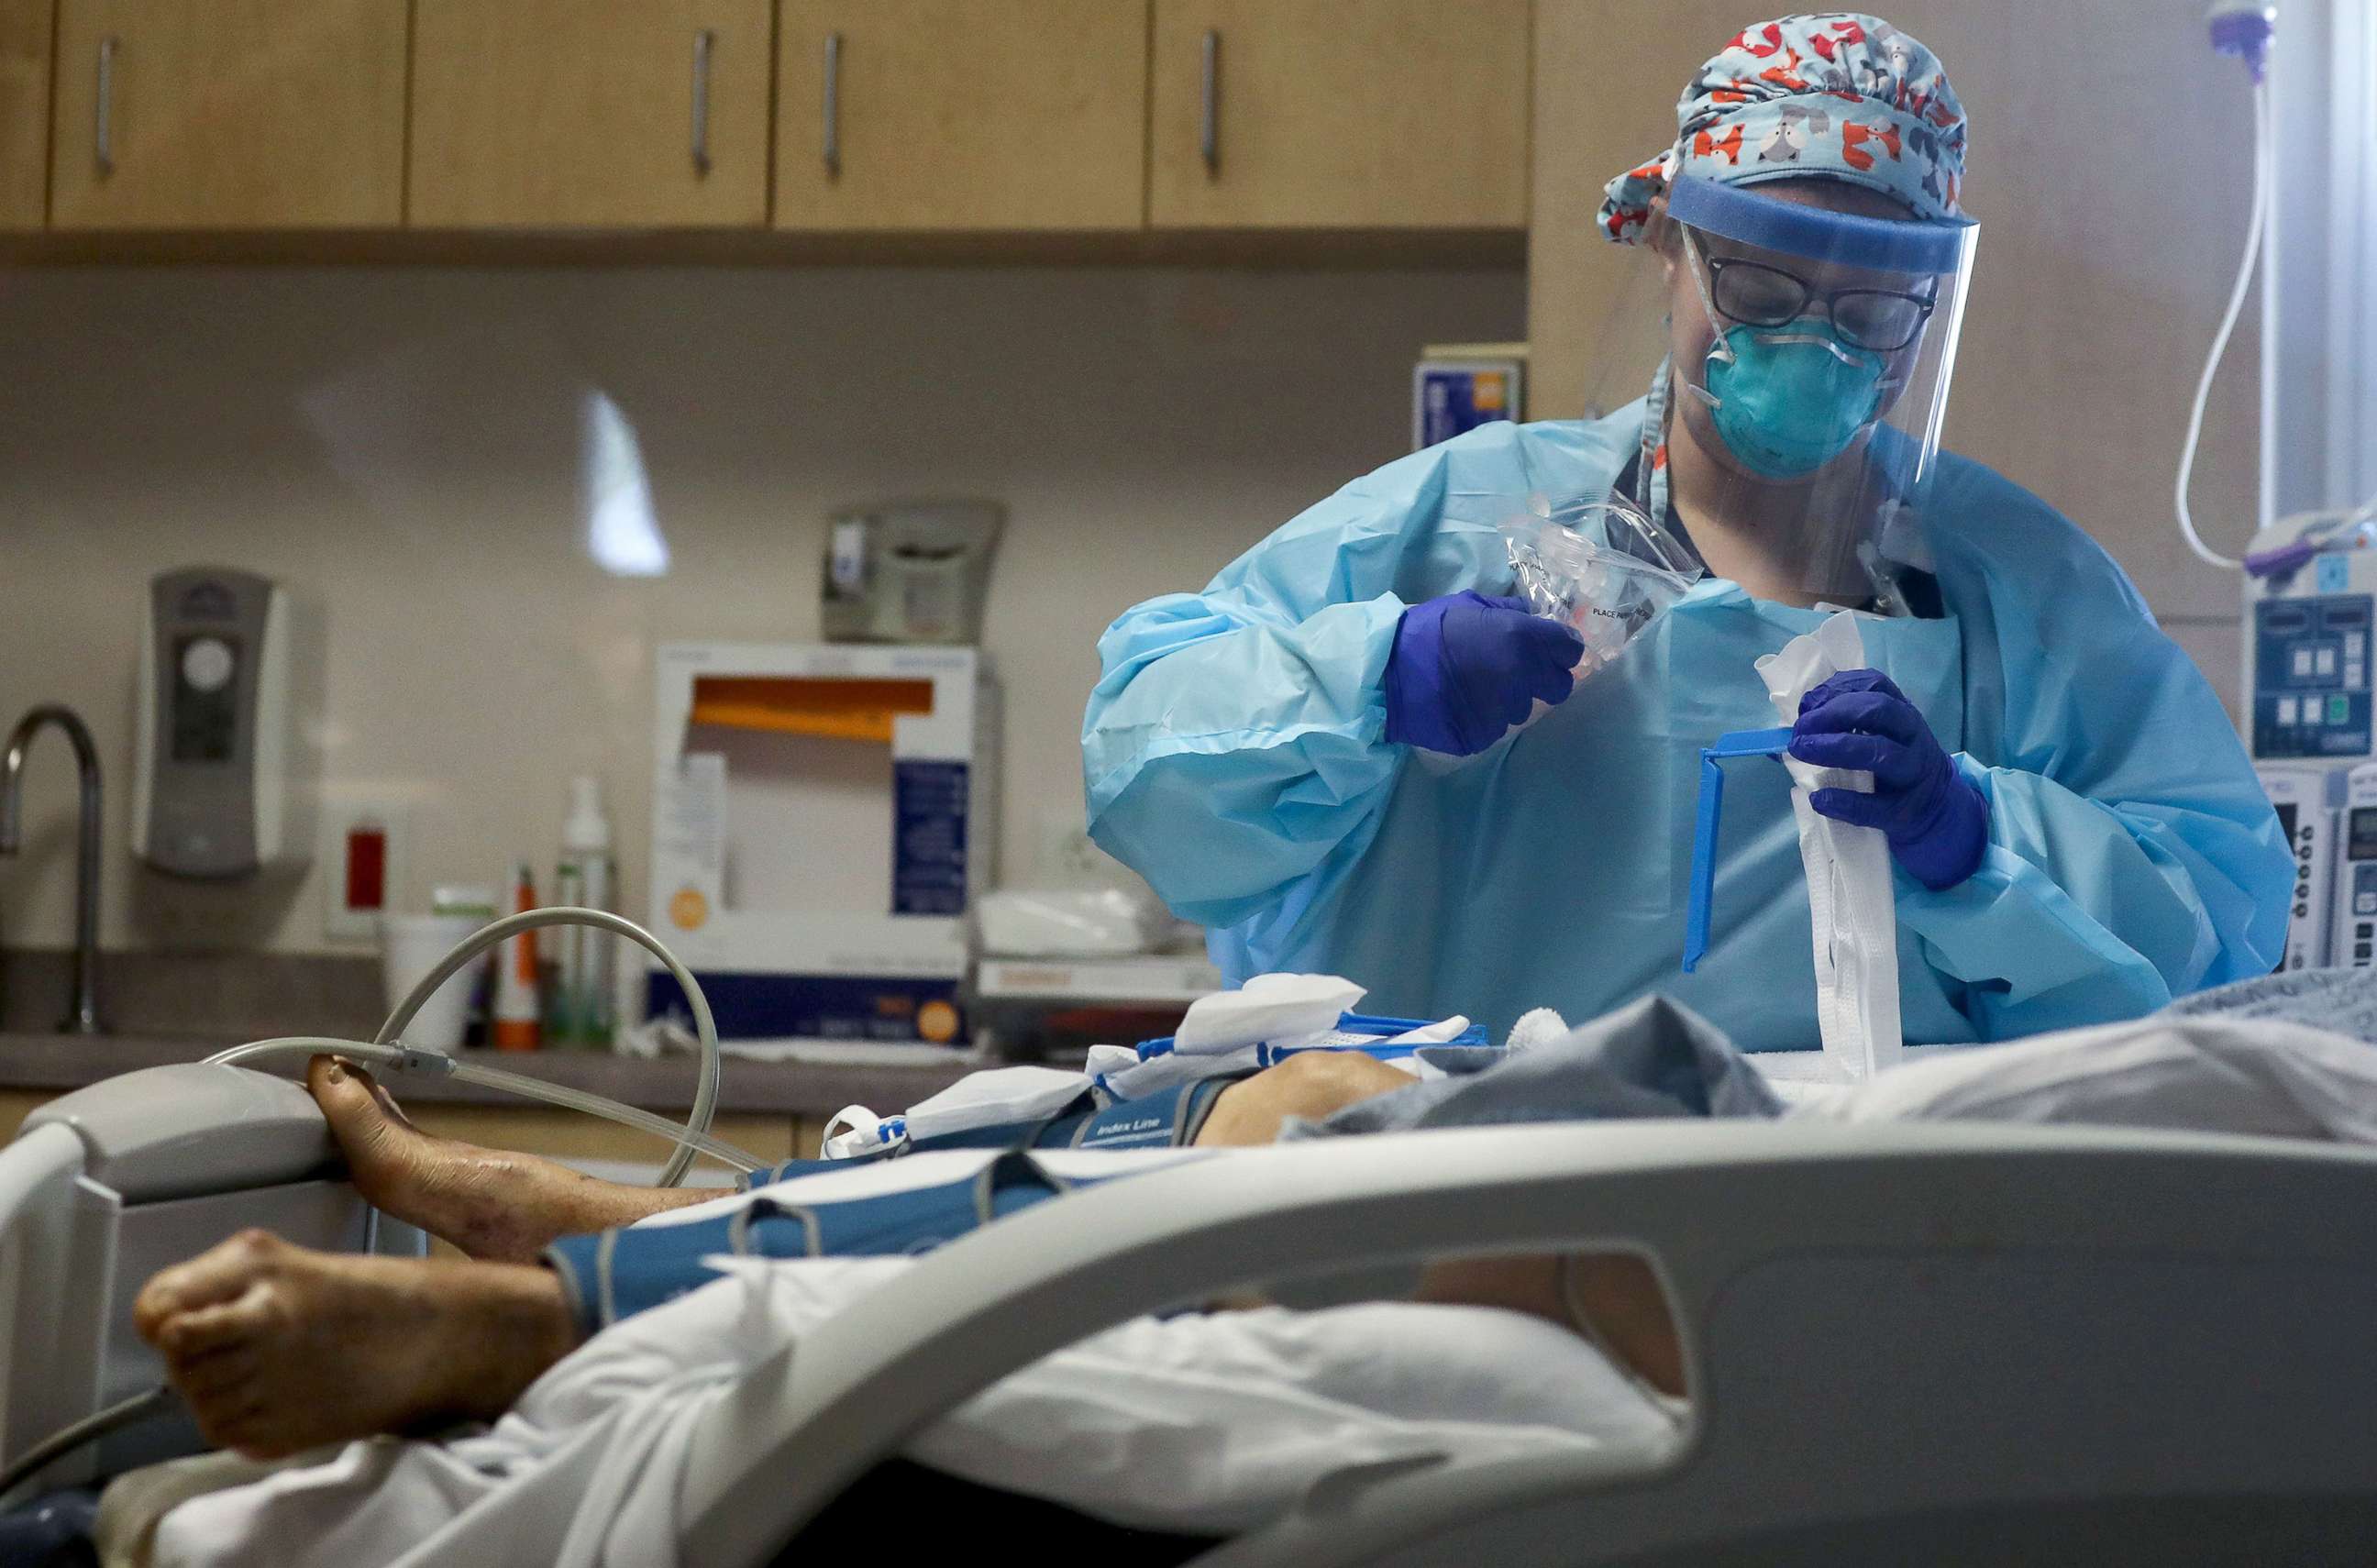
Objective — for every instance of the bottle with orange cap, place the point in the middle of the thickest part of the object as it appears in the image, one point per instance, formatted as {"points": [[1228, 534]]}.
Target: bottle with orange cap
{"points": [[518, 1021]]}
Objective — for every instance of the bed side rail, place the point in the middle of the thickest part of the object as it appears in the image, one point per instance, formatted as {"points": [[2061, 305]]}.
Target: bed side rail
{"points": [[38, 1173], [1748, 1207]]}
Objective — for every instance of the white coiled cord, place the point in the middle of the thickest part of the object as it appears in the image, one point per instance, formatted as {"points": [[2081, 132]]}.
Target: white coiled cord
{"points": [[388, 1049]]}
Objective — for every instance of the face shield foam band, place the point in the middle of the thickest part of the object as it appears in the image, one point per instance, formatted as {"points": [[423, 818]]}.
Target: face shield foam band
{"points": [[1792, 228]]}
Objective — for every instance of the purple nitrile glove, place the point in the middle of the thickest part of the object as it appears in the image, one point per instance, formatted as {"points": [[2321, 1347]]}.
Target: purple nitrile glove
{"points": [[1935, 818], [1466, 667]]}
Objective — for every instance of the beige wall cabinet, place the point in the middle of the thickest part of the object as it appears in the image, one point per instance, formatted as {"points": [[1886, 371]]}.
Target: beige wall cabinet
{"points": [[24, 113], [1339, 114], [228, 114], [955, 115], [886, 116], [589, 114]]}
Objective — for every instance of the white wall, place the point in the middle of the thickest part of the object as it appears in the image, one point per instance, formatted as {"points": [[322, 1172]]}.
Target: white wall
{"points": [[405, 445]]}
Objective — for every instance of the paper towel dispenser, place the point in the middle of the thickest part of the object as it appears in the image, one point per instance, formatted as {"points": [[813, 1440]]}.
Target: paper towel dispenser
{"points": [[910, 571]]}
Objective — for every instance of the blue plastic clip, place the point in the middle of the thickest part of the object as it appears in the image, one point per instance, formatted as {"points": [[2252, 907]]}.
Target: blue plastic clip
{"points": [[1740, 743]]}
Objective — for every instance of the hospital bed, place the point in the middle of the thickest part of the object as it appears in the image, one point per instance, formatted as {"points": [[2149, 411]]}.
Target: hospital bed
{"points": [[1925, 1341]]}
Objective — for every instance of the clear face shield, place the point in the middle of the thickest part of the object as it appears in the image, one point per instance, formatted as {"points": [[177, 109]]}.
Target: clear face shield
{"points": [[1811, 363]]}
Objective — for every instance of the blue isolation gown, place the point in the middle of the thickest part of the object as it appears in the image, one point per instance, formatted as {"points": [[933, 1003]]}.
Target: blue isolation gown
{"points": [[1234, 755]]}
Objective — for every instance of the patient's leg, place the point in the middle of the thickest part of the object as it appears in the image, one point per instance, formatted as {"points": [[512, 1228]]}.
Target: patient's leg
{"points": [[276, 1348], [1615, 1294], [489, 1202]]}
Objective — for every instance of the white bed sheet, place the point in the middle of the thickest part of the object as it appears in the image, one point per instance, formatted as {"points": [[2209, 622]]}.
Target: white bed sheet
{"points": [[2209, 1074]]}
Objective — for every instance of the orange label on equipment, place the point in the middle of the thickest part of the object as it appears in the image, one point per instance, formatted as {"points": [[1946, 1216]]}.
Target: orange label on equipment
{"points": [[689, 909]]}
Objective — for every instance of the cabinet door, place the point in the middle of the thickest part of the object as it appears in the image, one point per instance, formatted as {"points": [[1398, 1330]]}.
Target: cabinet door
{"points": [[953, 114], [1339, 114], [589, 114], [228, 114], [24, 113]]}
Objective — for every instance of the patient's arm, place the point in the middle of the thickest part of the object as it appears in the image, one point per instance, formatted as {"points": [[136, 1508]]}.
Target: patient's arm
{"points": [[1308, 1086], [489, 1203]]}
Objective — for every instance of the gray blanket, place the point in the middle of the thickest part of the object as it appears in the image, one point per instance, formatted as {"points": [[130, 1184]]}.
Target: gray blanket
{"points": [[1650, 1058], [1656, 1057], [2343, 1001]]}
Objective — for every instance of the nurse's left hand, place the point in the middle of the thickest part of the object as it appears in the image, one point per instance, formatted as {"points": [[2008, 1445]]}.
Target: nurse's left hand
{"points": [[1935, 818]]}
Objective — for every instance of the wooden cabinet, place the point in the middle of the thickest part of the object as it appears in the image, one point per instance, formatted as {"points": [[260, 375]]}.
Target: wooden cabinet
{"points": [[24, 113], [1339, 114], [951, 115], [589, 114], [228, 114], [809, 117]]}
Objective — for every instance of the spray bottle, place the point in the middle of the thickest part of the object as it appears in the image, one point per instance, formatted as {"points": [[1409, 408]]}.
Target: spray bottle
{"points": [[582, 1009]]}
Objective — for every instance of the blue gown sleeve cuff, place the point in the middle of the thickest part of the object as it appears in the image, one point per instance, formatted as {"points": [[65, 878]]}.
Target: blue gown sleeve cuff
{"points": [[573, 1260], [2030, 955]]}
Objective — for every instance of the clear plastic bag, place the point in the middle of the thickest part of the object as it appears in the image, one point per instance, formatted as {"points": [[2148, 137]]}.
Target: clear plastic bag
{"points": [[1604, 567]]}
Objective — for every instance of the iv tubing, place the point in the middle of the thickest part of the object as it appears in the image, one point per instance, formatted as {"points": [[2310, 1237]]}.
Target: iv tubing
{"points": [[2255, 225]]}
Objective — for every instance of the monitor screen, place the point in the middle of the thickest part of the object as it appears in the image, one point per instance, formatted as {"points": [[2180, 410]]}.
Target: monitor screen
{"points": [[2361, 834]]}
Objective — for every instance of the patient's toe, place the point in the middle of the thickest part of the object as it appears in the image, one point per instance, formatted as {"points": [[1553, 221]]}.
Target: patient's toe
{"points": [[197, 1336], [381, 1146], [219, 1274]]}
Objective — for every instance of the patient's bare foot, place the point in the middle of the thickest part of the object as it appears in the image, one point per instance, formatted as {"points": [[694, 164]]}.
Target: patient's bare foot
{"points": [[490, 1204], [277, 1348]]}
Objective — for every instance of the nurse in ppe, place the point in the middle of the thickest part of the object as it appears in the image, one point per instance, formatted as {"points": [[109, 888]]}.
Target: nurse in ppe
{"points": [[1322, 757]]}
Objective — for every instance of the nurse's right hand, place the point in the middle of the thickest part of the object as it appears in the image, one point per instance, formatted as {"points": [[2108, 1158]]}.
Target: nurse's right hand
{"points": [[1465, 668]]}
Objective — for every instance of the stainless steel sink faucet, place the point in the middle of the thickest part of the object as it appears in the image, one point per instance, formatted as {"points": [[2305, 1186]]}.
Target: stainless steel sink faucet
{"points": [[84, 1017]]}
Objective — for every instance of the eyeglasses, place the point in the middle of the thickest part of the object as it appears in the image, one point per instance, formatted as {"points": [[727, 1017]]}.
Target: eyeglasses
{"points": [[1758, 296]]}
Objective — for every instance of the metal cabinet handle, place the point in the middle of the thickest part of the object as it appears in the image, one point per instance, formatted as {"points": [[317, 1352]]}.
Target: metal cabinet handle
{"points": [[103, 113], [833, 105], [1209, 124], [703, 43]]}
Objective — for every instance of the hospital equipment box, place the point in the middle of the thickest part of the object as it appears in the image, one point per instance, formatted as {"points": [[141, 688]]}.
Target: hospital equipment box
{"points": [[1458, 386], [821, 817]]}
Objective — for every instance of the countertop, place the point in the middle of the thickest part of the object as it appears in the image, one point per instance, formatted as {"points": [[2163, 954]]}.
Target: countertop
{"points": [[812, 1090]]}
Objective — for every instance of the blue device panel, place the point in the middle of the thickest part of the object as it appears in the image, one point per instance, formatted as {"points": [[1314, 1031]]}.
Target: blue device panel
{"points": [[2311, 677], [2359, 871]]}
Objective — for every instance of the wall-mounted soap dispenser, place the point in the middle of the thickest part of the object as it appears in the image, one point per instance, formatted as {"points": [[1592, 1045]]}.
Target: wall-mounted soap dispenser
{"points": [[226, 751]]}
